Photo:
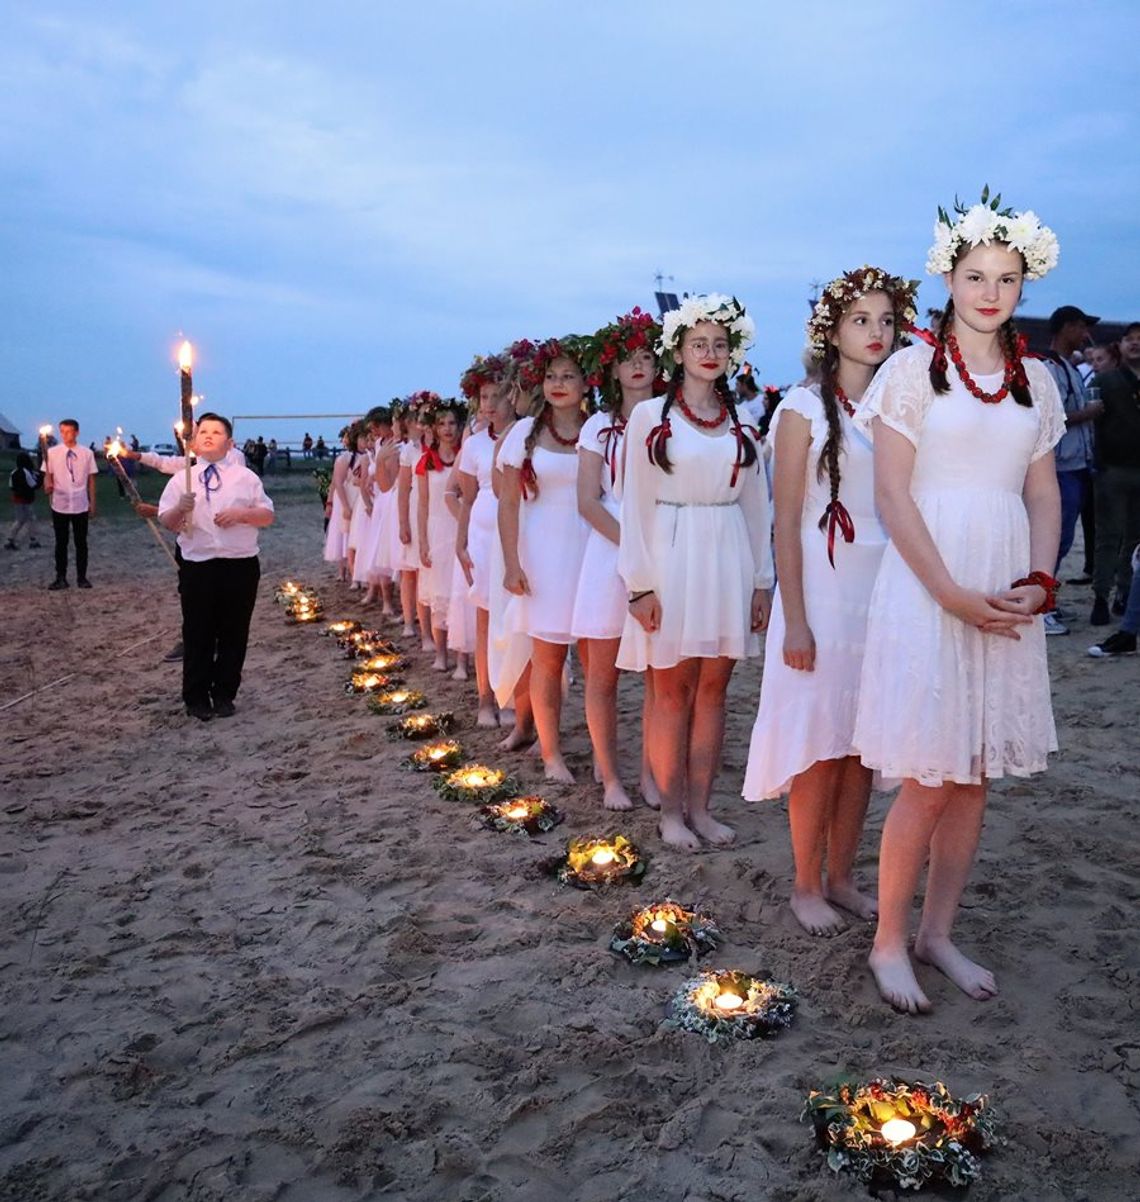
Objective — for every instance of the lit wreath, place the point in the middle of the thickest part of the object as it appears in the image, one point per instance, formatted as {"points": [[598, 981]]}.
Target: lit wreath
{"points": [[664, 933], [732, 1005], [520, 816]]}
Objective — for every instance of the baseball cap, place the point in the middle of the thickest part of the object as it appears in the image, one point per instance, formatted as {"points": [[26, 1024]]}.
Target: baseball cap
{"points": [[1067, 313]]}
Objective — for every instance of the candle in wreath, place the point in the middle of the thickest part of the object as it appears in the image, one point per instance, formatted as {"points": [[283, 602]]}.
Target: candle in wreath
{"points": [[663, 933], [597, 861], [422, 726], [732, 1005], [384, 662], [476, 782], [363, 681], [396, 701], [440, 756], [343, 627], [520, 815], [304, 609], [362, 644]]}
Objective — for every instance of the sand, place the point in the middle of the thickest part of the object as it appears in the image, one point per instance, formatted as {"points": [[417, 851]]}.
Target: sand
{"points": [[257, 960]]}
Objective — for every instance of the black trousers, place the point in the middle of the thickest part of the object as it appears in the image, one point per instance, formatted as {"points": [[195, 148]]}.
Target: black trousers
{"points": [[63, 524], [217, 604]]}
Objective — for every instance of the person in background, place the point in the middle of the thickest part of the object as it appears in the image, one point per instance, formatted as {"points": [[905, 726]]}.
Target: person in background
{"points": [[321, 447], [23, 481], [70, 482], [307, 446], [271, 456], [1075, 454], [1123, 641]]}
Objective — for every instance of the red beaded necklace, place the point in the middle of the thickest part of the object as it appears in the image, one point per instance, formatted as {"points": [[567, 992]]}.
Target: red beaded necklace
{"points": [[841, 397], [706, 423], [548, 418], [988, 398]]}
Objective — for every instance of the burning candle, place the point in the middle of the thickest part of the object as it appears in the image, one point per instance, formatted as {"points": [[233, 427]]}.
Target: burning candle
{"points": [[516, 811], [602, 857], [45, 434], [185, 425], [728, 1001], [898, 1131], [659, 925]]}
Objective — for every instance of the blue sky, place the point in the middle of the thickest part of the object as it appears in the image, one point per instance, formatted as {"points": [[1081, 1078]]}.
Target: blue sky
{"points": [[344, 202]]}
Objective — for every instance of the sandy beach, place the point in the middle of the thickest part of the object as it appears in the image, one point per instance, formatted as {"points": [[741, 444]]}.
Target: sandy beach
{"points": [[257, 960]]}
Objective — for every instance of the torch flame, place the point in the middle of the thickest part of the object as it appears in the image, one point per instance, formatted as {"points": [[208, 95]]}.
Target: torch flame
{"points": [[185, 356], [45, 431], [114, 449]]}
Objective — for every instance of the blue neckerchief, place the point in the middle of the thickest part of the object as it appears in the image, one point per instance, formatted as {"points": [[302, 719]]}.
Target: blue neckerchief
{"points": [[211, 480]]}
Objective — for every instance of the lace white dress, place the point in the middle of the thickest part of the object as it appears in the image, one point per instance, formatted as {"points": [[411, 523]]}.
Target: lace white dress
{"points": [[409, 560], [601, 601], [805, 717], [700, 541], [941, 701], [476, 460], [435, 582]]}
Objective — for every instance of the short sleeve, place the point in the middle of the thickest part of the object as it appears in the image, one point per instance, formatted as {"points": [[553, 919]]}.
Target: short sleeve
{"points": [[590, 436], [514, 445], [900, 394], [809, 405], [1050, 408], [466, 463]]}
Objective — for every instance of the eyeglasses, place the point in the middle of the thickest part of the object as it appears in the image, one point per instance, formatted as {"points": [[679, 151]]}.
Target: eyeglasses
{"points": [[702, 346]]}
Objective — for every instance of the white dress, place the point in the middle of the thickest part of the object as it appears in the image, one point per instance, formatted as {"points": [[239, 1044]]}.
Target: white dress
{"points": [[476, 459], [435, 582], [357, 477], [699, 541], [601, 602], [552, 539], [940, 700], [805, 717], [409, 560], [336, 537]]}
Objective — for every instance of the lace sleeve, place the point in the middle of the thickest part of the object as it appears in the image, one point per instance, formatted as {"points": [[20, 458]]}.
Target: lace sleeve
{"points": [[1050, 408], [899, 395]]}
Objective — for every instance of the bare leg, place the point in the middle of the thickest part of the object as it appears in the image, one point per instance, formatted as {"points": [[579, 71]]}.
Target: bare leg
{"points": [[674, 696], [706, 740], [598, 656], [849, 809], [906, 843], [649, 791], [408, 600], [952, 850], [460, 672], [522, 733], [810, 805], [487, 714], [386, 597], [439, 638], [546, 662], [423, 612]]}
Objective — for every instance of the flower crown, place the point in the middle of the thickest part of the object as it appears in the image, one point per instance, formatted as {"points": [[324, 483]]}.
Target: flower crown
{"points": [[431, 409], [618, 341], [986, 223], [484, 369], [415, 403], [571, 346], [724, 310], [838, 296]]}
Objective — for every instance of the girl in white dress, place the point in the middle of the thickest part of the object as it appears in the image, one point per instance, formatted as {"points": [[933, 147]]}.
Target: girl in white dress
{"points": [[340, 517], [955, 686], [437, 524], [544, 536], [369, 558], [407, 509], [623, 366], [829, 542], [360, 480], [696, 555], [485, 385], [386, 566]]}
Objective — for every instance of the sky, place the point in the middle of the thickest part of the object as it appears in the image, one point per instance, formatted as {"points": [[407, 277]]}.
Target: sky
{"points": [[345, 202]]}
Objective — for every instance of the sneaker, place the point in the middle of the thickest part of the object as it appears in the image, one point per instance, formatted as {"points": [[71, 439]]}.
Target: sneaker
{"points": [[1120, 643], [173, 655], [58, 583], [200, 710], [1100, 615], [1054, 625], [224, 709], [84, 583]]}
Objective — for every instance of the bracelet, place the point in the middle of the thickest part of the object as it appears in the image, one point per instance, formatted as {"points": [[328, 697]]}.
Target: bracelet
{"points": [[633, 597], [1043, 581]]}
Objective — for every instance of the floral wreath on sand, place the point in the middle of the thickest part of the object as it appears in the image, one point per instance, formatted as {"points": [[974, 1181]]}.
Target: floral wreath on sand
{"points": [[614, 342], [724, 310], [664, 933], [838, 296], [985, 223], [762, 1007], [484, 369]]}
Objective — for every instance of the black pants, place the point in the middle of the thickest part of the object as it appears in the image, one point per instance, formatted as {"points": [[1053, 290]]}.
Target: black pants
{"points": [[63, 524], [217, 604]]}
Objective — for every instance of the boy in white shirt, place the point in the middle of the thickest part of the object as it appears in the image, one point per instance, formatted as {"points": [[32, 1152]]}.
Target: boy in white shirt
{"points": [[70, 472], [217, 524]]}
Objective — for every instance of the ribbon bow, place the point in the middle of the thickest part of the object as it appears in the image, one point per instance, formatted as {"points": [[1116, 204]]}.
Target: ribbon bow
{"points": [[740, 430], [609, 437], [491, 432], [835, 516], [211, 479], [527, 476], [430, 461], [656, 439]]}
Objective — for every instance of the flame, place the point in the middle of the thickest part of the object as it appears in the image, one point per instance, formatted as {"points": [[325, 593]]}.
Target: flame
{"points": [[45, 431], [185, 356], [178, 427], [113, 449], [898, 1131], [729, 1001], [518, 811], [604, 855], [478, 777]]}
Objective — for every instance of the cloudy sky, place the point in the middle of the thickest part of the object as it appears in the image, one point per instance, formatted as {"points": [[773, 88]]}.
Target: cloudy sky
{"points": [[339, 203]]}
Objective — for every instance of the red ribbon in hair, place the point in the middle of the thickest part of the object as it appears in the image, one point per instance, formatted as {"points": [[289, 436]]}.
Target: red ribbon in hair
{"points": [[835, 516], [656, 440], [609, 436], [491, 432], [740, 430], [527, 476]]}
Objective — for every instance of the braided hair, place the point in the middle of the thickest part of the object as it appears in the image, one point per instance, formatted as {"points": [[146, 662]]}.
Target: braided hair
{"points": [[659, 435], [833, 443]]}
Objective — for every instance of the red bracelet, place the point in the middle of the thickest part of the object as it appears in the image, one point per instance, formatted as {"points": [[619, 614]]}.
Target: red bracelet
{"points": [[1044, 581]]}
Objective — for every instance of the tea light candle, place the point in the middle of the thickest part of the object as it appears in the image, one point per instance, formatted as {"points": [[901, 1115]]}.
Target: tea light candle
{"points": [[898, 1131], [602, 857], [659, 925], [728, 1002], [519, 811]]}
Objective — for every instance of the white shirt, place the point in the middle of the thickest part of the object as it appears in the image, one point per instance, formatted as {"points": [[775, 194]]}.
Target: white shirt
{"points": [[169, 464], [69, 468], [230, 485]]}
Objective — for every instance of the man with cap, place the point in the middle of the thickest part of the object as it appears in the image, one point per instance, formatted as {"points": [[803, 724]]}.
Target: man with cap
{"points": [[1075, 454]]}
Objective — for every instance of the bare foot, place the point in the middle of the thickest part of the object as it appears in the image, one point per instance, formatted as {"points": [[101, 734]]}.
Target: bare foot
{"points": [[516, 739], [972, 979], [487, 716], [649, 792], [616, 798], [851, 900], [535, 750], [897, 983], [408, 631], [597, 772], [709, 829], [440, 665], [555, 770], [427, 645], [815, 915], [367, 602], [676, 834], [460, 672]]}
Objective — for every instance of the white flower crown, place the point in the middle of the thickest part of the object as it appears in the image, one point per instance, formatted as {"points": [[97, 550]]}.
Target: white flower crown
{"points": [[725, 311], [986, 223]]}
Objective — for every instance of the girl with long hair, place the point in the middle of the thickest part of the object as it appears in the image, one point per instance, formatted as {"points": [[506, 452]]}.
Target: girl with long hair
{"points": [[695, 553], [829, 542], [343, 498], [623, 367], [407, 509], [543, 536], [955, 687]]}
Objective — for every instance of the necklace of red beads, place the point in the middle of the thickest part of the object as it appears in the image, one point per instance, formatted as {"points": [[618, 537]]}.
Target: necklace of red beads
{"points": [[988, 398], [706, 423], [841, 397], [572, 441]]}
